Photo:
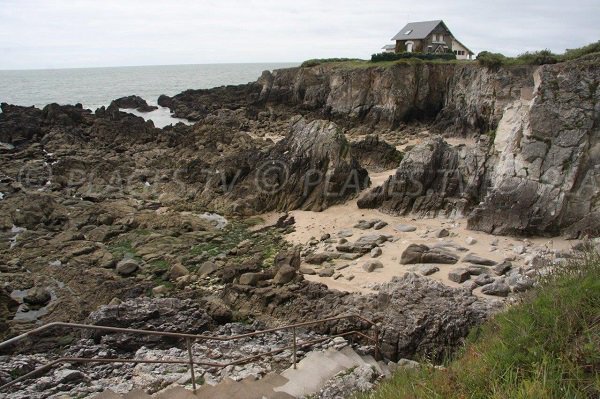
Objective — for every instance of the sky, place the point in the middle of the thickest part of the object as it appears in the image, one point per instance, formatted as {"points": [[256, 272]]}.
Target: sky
{"points": [[38, 34]]}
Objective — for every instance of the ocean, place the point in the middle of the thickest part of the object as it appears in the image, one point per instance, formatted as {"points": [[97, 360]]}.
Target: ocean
{"points": [[95, 87]]}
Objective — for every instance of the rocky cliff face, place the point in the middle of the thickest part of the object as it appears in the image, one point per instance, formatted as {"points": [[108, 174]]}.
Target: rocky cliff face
{"points": [[538, 175]]}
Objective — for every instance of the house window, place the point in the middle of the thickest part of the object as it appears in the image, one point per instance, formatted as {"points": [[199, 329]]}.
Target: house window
{"points": [[435, 38], [441, 38]]}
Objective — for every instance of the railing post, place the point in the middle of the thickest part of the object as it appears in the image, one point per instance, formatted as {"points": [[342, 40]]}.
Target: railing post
{"points": [[294, 334], [189, 348]]}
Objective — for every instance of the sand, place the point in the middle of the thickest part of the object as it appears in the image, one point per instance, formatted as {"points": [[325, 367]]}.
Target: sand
{"points": [[311, 225]]}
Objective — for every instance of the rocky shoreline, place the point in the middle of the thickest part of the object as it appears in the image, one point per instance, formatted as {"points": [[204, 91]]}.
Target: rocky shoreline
{"points": [[310, 193]]}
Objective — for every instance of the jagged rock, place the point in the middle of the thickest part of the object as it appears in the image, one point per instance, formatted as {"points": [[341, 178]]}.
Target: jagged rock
{"points": [[423, 254], [459, 275], [478, 260], [371, 265], [133, 102]]}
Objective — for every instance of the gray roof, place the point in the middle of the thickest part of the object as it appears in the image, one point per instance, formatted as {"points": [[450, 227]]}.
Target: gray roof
{"points": [[417, 30]]}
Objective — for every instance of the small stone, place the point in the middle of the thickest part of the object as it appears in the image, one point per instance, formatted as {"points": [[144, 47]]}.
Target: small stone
{"points": [[471, 241], [380, 225], [342, 241], [519, 249], [350, 277], [371, 265], [405, 228], [325, 237], [459, 275], [308, 271], [376, 252], [442, 233], [345, 233], [327, 272]]}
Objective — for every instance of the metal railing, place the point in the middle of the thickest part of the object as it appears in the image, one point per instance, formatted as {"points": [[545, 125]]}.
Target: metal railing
{"points": [[190, 339]]}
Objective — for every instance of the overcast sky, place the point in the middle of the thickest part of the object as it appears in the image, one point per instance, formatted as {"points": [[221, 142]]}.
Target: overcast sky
{"points": [[87, 33]]}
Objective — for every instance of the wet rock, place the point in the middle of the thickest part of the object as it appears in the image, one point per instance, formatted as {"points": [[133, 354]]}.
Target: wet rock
{"points": [[416, 253], [459, 275], [134, 102], [478, 260]]}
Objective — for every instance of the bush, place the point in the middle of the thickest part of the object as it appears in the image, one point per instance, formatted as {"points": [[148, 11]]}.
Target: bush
{"points": [[382, 57], [537, 58], [572, 54], [319, 61], [491, 60]]}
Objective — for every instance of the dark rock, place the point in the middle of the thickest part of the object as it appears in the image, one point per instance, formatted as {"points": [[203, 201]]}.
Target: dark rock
{"points": [[133, 102], [327, 272], [284, 275], [423, 254], [37, 296], [484, 279], [376, 154]]}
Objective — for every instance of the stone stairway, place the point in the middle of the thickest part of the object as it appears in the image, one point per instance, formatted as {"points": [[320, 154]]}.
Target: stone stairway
{"points": [[311, 374]]}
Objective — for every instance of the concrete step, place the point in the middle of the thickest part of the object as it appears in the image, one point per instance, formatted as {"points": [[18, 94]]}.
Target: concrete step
{"points": [[175, 392], [312, 372], [350, 353], [342, 359]]}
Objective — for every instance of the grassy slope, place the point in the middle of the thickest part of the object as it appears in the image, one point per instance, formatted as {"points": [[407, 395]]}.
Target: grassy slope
{"points": [[548, 346]]}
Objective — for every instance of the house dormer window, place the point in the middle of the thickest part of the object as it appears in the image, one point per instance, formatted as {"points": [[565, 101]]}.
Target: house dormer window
{"points": [[441, 38], [408, 32], [435, 38]]}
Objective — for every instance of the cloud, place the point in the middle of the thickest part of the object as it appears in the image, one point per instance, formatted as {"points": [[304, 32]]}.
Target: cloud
{"points": [[77, 33]]}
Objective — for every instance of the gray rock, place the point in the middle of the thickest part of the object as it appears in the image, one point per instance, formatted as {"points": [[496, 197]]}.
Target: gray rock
{"points": [[408, 364], [497, 288], [475, 270], [520, 283], [127, 267], [325, 237], [365, 225], [415, 254], [251, 279], [478, 260], [426, 270], [319, 258], [405, 228], [371, 265], [37, 296], [484, 279], [345, 233], [442, 233], [177, 271], [471, 241], [284, 275], [376, 252], [308, 270], [380, 225], [327, 272], [207, 268], [459, 275], [502, 268]]}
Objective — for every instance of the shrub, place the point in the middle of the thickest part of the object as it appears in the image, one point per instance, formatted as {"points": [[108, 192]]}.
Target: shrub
{"points": [[382, 57], [537, 58], [319, 61], [571, 54], [491, 60]]}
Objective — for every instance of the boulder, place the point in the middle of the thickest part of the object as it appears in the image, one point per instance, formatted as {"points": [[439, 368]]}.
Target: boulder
{"points": [[251, 279], [497, 288], [307, 270], [405, 228], [484, 279], [502, 268], [207, 268], [371, 265], [37, 296], [459, 275], [376, 252], [177, 271], [320, 258], [442, 233], [127, 267], [284, 275], [478, 260], [327, 272], [416, 253]]}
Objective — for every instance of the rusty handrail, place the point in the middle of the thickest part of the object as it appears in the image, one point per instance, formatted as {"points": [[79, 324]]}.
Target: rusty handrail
{"points": [[189, 339]]}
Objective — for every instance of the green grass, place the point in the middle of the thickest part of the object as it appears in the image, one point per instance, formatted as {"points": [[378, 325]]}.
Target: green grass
{"points": [[548, 346]]}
